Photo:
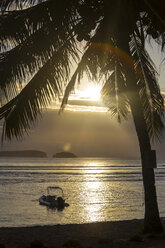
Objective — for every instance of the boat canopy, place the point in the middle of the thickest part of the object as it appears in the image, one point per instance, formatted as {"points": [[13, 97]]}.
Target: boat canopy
{"points": [[55, 190]]}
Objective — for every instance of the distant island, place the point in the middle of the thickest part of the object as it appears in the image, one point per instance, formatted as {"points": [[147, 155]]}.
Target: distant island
{"points": [[24, 153], [64, 155]]}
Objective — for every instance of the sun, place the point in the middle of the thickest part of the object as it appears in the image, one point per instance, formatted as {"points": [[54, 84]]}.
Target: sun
{"points": [[92, 92]]}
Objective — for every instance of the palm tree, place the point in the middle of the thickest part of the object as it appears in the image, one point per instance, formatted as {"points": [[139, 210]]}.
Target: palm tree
{"points": [[39, 42]]}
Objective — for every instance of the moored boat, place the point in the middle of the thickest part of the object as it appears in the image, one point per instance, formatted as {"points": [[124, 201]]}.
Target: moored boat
{"points": [[53, 201]]}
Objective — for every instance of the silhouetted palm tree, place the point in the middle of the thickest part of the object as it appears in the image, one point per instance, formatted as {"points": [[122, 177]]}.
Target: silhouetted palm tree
{"points": [[41, 40]]}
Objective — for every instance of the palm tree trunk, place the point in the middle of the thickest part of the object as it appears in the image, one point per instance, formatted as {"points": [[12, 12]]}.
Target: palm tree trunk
{"points": [[152, 221]]}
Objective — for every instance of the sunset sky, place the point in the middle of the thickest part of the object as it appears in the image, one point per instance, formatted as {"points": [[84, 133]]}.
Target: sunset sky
{"points": [[86, 128]]}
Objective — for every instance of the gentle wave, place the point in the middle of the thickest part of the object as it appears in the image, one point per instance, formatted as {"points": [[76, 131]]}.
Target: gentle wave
{"points": [[97, 189]]}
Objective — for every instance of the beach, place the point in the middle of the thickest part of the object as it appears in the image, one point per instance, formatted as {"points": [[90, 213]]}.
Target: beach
{"points": [[101, 234]]}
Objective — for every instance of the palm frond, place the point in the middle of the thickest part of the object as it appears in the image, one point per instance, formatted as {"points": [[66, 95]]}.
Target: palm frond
{"points": [[25, 59], [83, 66], [98, 60], [114, 94], [23, 110], [17, 4], [19, 64], [17, 26], [149, 91], [47, 84]]}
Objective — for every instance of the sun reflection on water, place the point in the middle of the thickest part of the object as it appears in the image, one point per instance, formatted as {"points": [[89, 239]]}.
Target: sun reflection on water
{"points": [[94, 205], [94, 164]]}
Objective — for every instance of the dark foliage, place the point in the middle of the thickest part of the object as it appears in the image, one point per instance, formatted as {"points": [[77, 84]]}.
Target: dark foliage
{"points": [[40, 43]]}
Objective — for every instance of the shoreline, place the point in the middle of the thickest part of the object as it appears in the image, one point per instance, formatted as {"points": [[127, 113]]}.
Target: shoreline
{"points": [[100, 234]]}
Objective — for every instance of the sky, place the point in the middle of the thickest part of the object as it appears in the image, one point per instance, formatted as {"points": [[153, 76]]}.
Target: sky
{"points": [[86, 128]]}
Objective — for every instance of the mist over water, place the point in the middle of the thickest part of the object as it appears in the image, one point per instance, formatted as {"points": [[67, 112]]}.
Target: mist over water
{"points": [[97, 189]]}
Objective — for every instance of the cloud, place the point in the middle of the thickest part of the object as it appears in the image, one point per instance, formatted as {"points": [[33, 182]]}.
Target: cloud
{"points": [[81, 105], [85, 102]]}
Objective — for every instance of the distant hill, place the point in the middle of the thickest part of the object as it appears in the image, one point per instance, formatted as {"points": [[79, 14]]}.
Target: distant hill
{"points": [[25, 153], [64, 155]]}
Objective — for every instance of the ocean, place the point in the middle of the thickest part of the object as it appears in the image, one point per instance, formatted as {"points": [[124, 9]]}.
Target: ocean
{"points": [[97, 189]]}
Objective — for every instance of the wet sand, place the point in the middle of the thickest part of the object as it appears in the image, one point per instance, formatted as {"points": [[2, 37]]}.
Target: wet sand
{"points": [[106, 234]]}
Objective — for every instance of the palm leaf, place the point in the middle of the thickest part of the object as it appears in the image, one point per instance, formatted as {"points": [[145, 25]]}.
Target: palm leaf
{"points": [[18, 4], [17, 26], [24, 109], [46, 85], [98, 60], [149, 91], [27, 63], [114, 94]]}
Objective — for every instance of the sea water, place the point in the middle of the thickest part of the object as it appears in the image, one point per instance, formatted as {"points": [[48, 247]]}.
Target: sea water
{"points": [[97, 189]]}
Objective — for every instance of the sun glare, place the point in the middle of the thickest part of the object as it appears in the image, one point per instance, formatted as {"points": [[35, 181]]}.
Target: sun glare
{"points": [[92, 92]]}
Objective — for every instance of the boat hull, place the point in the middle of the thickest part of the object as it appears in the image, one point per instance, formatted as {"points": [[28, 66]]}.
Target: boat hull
{"points": [[52, 204]]}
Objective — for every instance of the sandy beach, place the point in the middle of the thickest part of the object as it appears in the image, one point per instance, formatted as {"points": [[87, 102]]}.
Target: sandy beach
{"points": [[107, 234]]}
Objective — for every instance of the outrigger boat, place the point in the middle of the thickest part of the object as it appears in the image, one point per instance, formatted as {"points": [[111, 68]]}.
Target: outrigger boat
{"points": [[54, 201]]}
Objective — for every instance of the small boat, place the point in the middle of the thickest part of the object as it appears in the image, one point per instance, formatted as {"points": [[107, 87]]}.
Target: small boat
{"points": [[54, 201]]}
